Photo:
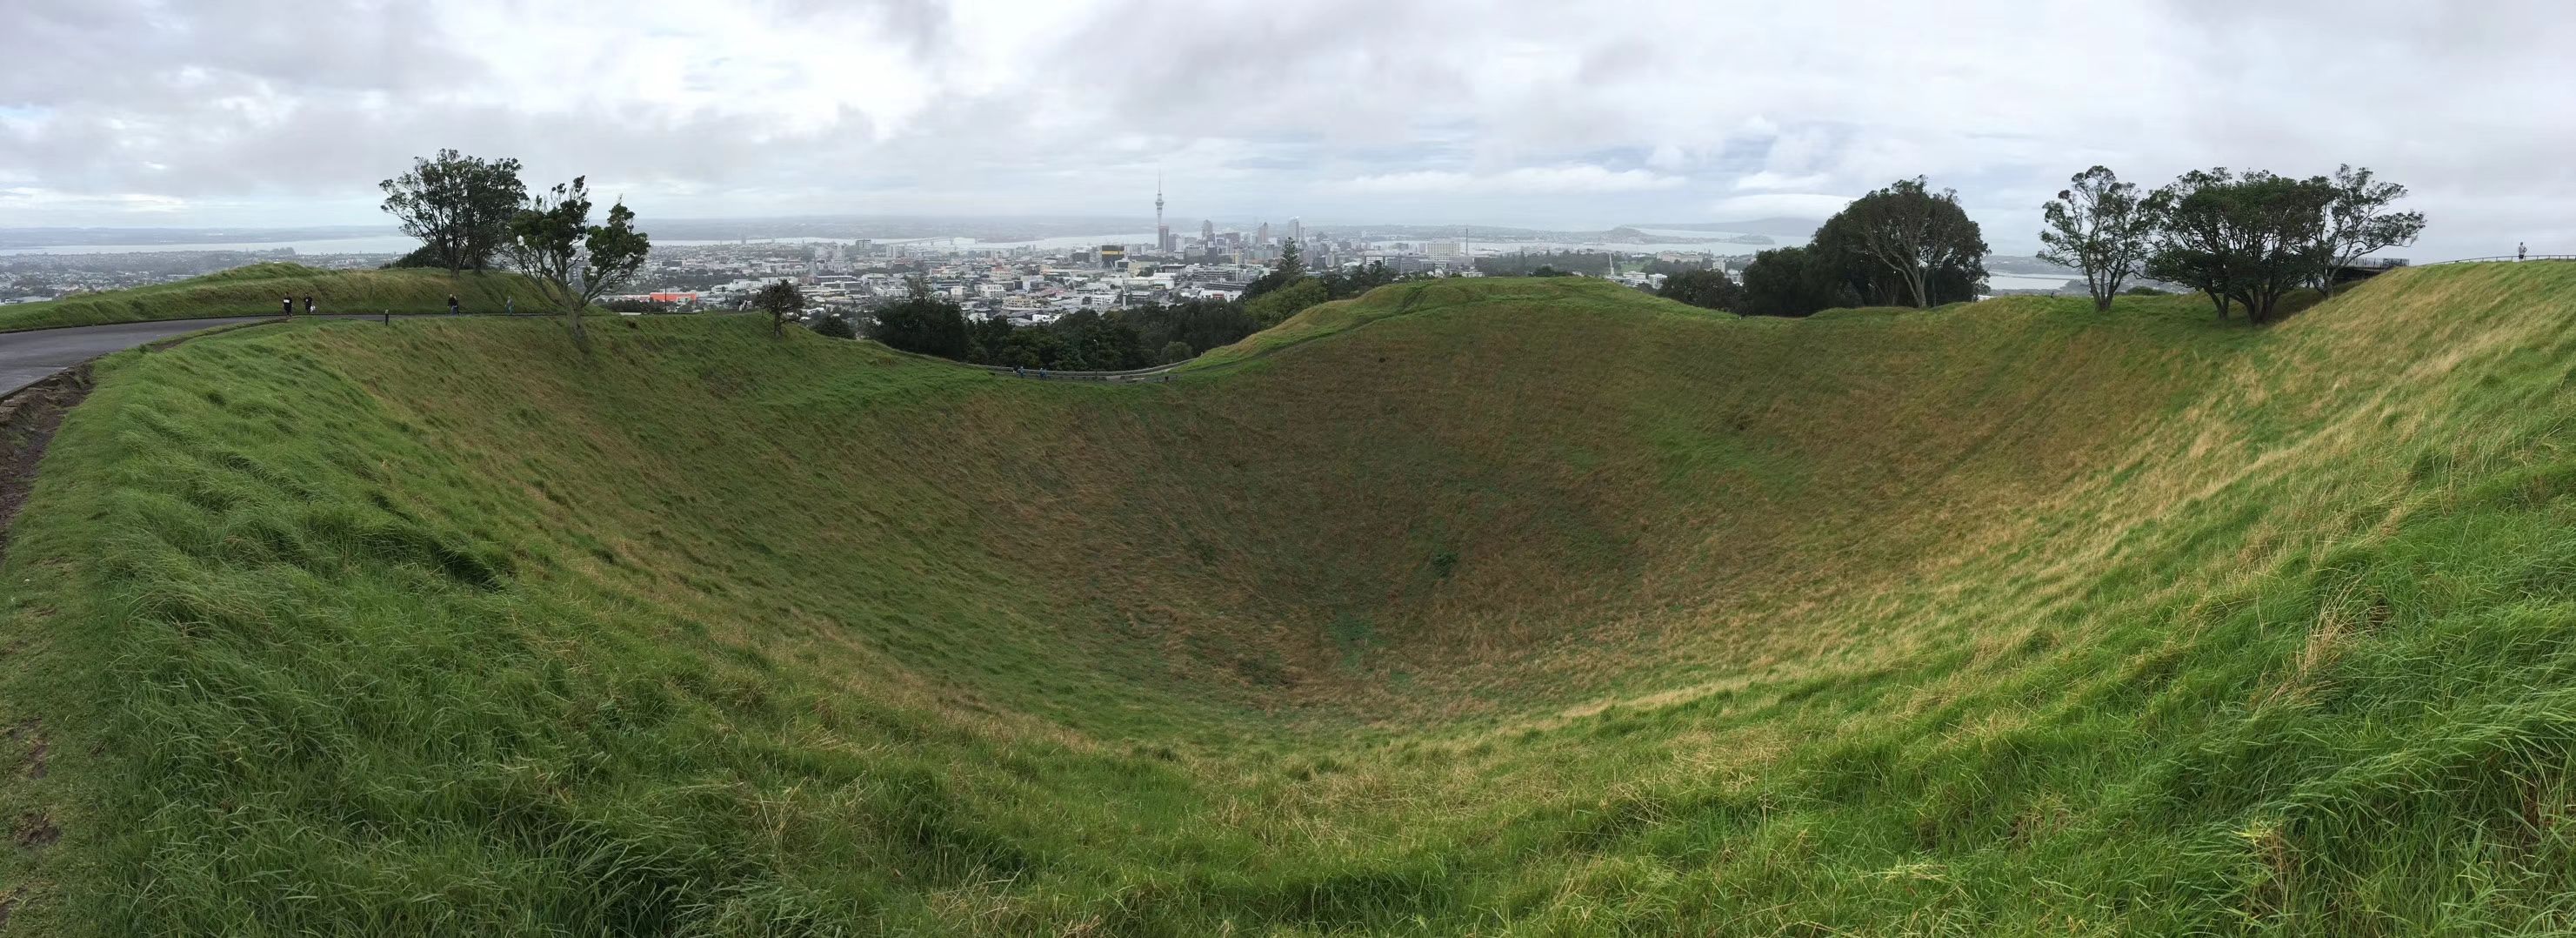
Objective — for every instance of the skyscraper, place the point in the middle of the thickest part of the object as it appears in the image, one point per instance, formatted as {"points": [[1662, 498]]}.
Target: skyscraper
{"points": [[1207, 231], [1162, 233], [1261, 237]]}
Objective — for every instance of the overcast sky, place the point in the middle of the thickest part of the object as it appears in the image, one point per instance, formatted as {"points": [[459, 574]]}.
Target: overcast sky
{"points": [[1559, 114]]}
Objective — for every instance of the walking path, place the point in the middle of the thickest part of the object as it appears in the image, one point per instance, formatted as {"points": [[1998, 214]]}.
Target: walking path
{"points": [[32, 356]]}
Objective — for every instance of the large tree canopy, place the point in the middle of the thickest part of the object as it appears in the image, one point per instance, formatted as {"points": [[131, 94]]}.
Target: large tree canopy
{"points": [[459, 206], [2244, 240], [1906, 244]]}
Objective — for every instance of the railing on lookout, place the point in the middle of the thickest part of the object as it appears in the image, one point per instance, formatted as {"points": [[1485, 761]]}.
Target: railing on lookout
{"points": [[2507, 258]]}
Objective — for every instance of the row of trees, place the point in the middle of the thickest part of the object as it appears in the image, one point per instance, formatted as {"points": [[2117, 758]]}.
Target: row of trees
{"points": [[2240, 240], [1088, 340], [466, 210], [2244, 241]]}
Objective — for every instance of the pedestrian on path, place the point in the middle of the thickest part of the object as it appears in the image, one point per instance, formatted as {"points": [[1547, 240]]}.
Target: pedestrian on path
{"points": [[2521, 252], [308, 304], [509, 306], [286, 306], [451, 304]]}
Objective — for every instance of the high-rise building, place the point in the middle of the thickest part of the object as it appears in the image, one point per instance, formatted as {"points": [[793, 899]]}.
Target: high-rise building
{"points": [[1207, 231], [1261, 236], [1296, 230]]}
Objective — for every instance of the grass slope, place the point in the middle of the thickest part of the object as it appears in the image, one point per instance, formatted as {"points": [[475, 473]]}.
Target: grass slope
{"points": [[255, 289], [1526, 607]]}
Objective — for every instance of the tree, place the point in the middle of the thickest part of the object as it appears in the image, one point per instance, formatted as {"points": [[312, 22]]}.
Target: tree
{"points": [[2101, 226], [1292, 267], [1792, 282], [1199, 323], [2193, 237], [1292, 262], [780, 300], [1703, 288], [1175, 352], [1916, 235], [459, 206], [2246, 240], [922, 322], [575, 262], [836, 326], [2358, 222], [1093, 342]]}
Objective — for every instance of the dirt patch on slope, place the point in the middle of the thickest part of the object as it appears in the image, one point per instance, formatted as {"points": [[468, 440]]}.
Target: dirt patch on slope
{"points": [[28, 420]]}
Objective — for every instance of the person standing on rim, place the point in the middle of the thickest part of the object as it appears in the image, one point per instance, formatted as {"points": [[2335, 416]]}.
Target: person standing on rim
{"points": [[2521, 252], [451, 304]]}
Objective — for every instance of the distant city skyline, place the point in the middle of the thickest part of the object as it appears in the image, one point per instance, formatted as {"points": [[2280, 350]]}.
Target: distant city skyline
{"points": [[133, 113]]}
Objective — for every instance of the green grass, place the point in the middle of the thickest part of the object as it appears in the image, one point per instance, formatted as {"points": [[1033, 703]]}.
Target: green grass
{"points": [[254, 291], [1500, 607]]}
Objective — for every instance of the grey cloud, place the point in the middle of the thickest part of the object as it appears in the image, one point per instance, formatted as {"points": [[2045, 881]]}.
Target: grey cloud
{"points": [[1255, 108]]}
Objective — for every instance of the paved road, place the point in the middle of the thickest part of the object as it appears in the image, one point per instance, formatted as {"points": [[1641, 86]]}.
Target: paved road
{"points": [[29, 357], [36, 354]]}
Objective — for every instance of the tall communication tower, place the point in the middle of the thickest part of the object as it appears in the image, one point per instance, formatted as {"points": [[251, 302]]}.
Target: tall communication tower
{"points": [[1162, 235]]}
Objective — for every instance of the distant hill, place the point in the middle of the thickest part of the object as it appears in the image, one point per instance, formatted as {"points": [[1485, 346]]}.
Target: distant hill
{"points": [[255, 289]]}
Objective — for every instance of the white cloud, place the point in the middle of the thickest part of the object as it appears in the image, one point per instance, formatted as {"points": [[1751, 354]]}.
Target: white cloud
{"points": [[1778, 205], [38, 199], [1526, 180], [1767, 180]]}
